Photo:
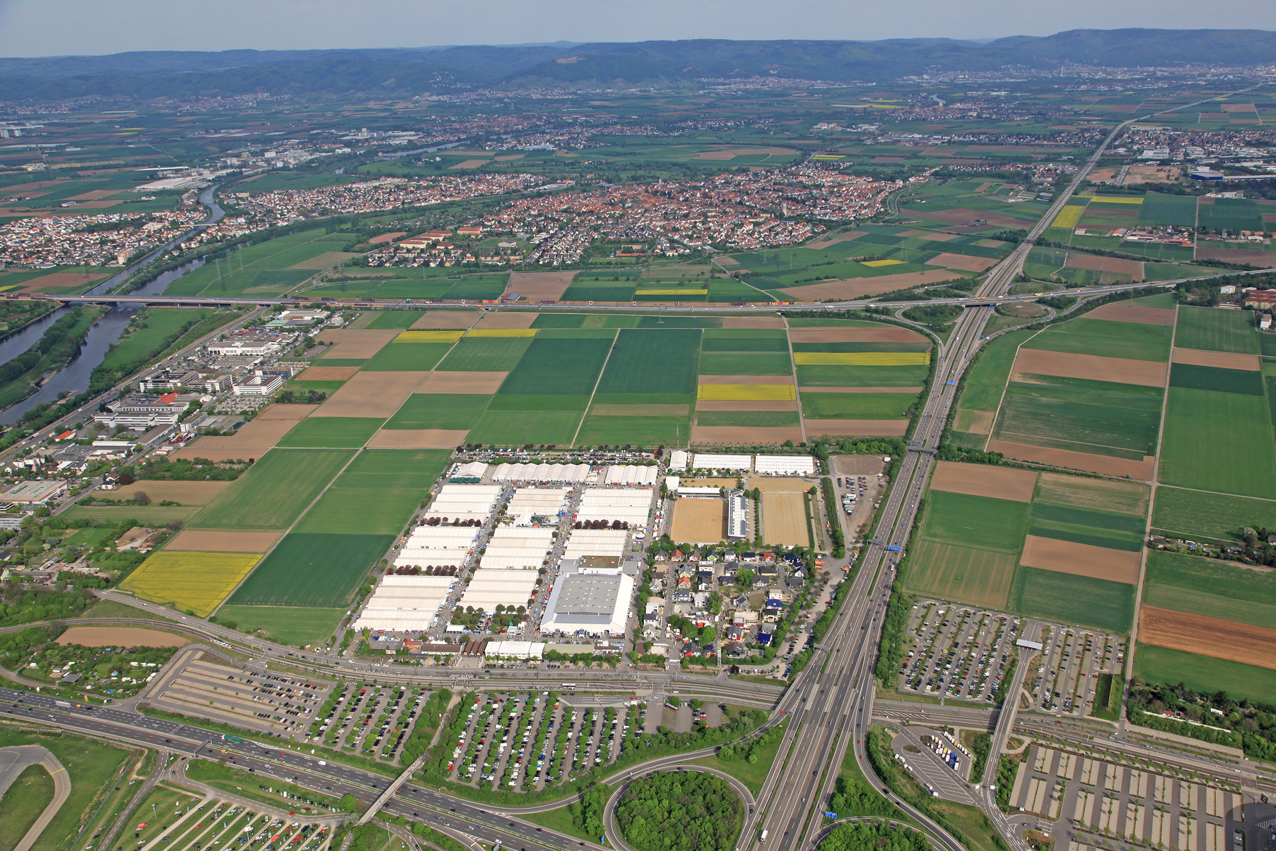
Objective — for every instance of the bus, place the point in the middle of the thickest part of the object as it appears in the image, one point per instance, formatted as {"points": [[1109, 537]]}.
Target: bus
{"points": [[569, 686]]}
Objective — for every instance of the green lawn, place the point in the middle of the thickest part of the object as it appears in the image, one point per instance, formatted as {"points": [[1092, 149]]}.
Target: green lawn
{"points": [[275, 491], [1196, 514], [1218, 442], [312, 570], [1204, 673], [856, 406], [442, 410], [296, 626], [1106, 338], [332, 432], [24, 800], [1215, 330]]}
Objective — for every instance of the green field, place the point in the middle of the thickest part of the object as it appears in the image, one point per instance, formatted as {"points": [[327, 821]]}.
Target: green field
{"points": [[978, 521], [652, 361], [257, 269], [1064, 598], [296, 626], [275, 491], [1106, 338], [862, 376], [147, 337], [24, 800], [514, 428], [152, 515], [1204, 673], [1246, 589], [745, 363], [1086, 526], [407, 357], [331, 432], [1083, 415], [1160, 209], [1197, 377], [312, 570], [559, 366], [377, 493], [1214, 330], [441, 410], [856, 406], [636, 431], [391, 319], [485, 354], [1218, 442], [751, 419], [968, 574], [1196, 514]]}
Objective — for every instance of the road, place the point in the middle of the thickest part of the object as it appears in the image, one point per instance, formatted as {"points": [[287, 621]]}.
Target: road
{"points": [[13, 761]]}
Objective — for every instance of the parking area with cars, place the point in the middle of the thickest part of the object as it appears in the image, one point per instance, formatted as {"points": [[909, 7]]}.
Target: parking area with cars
{"points": [[957, 651], [370, 720], [1068, 670]]}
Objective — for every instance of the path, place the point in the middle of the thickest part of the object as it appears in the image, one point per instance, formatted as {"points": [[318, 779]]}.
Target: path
{"points": [[15, 760]]}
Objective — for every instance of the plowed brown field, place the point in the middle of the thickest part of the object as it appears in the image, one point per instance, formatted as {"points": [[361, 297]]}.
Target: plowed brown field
{"points": [[198, 541], [744, 435], [482, 383], [983, 480], [1080, 559], [858, 287], [356, 344], [884, 334], [1122, 312], [1224, 360], [1105, 464], [421, 438], [1070, 365], [370, 394], [1220, 639], [538, 286], [436, 320]]}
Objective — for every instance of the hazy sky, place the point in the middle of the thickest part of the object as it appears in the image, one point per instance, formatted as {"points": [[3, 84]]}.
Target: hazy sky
{"points": [[59, 27]]}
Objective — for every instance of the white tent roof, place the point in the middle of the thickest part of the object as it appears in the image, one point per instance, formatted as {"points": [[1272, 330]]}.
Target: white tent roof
{"points": [[438, 558], [540, 473], [678, 459], [596, 542], [442, 537], [793, 465], [631, 474], [711, 461], [393, 581], [472, 470], [537, 500]]}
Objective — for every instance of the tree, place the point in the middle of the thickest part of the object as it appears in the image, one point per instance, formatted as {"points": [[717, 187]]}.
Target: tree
{"points": [[744, 577], [348, 804]]}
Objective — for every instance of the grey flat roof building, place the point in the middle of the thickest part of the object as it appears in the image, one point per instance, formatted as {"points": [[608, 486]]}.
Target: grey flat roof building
{"points": [[589, 603]]}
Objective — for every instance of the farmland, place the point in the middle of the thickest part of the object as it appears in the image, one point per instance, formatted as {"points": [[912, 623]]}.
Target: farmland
{"points": [[1203, 673], [312, 570], [195, 582], [275, 491], [1218, 441], [1199, 514]]}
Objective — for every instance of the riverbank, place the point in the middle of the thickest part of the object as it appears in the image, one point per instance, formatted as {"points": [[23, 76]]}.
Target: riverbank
{"points": [[59, 346], [17, 315]]}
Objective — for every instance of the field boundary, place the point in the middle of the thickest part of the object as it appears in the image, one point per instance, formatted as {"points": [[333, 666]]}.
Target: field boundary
{"points": [[597, 381], [1005, 388], [797, 390]]}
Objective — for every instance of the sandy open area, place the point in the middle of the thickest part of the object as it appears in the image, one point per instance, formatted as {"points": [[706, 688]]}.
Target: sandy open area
{"points": [[730, 322], [857, 428], [323, 261], [506, 319], [387, 237], [710, 483], [744, 435], [744, 379], [849, 236], [1080, 559], [539, 286], [858, 465], [1105, 464], [778, 484], [437, 320], [1125, 312], [964, 217], [858, 287], [202, 541], [328, 373], [61, 280], [1219, 639], [965, 262], [741, 405], [253, 438], [1134, 268], [1260, 259], [284, 413], [469, 164], [484, 383], [699, 521], [1069, 365], [356, 344], [882, 334], [983, 480], [94, 195], [1224, 360], [784, 520], [423, 438], [371, 394], [120, 636], [187, 493]]}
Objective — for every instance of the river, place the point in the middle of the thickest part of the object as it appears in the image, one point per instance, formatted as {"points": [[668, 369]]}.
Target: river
{"points": [[73, 378]]}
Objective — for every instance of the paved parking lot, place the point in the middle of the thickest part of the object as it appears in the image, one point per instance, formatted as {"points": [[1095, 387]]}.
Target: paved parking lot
{"points": [[1071, 661], [957, 651]]}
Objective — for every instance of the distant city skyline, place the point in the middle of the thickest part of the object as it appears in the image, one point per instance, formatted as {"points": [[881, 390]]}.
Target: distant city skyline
{"points": [[75, 27]]}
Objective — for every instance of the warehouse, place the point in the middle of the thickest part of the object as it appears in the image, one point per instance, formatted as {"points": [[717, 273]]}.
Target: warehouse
{"points": [[438, 546], [678, 460], [541, 473], [471, 472], [405, 603], [536, 506], [631, 474], [629, 506], [514, 649], [708, 461], [491, 588], [596, 542], [517, 548], [737, 517], [588, 604], [464, 502], [784, 465]]}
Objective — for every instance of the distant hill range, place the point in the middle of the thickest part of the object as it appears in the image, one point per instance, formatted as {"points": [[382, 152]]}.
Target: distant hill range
{"points": [[397, 71]]}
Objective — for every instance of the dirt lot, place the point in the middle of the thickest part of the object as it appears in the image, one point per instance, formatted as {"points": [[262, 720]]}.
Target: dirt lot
{"points": [[1107, 465], [59, 280], [463, 382], [387, 237], [744, 435], [744, 379], [779, 484], [736, 322], [1220, 639], [964, 262], [328, 373], [858, 287], [502, 319], [1133, 268], [1122, 312], [784, 520], [982, 480], [280, 412], [437, 320], [187, 493], [423, 438], [709, 483], [849, 236], [538, 286], [1069, 365], [857, 428], [884, 334], [699, 521], [189, 540], [371, 394], [1225, 360], [1262, 259], [120, 636], [858, 465], [721, 405], [356, 344], [1080, 559]]}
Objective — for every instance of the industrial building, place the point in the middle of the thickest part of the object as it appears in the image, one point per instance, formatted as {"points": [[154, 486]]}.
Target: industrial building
{"points": [[33, 493], [630, 506], [589, 604], [405, 603], [737, 517]]}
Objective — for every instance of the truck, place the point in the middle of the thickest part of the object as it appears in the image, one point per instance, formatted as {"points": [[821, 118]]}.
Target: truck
{"points": [[62, 704], [762, 838]]}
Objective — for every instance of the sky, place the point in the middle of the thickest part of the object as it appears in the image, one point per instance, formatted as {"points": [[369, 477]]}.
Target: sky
{"points": [[70, 27]]}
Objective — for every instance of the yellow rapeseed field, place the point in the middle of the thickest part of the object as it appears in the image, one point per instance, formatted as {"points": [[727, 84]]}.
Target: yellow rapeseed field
{"points": [[502, 332], [861, 358], [1119, 199], [429, 337], [746, 392], [1068, 216], [875, 263], [194, 581]]}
